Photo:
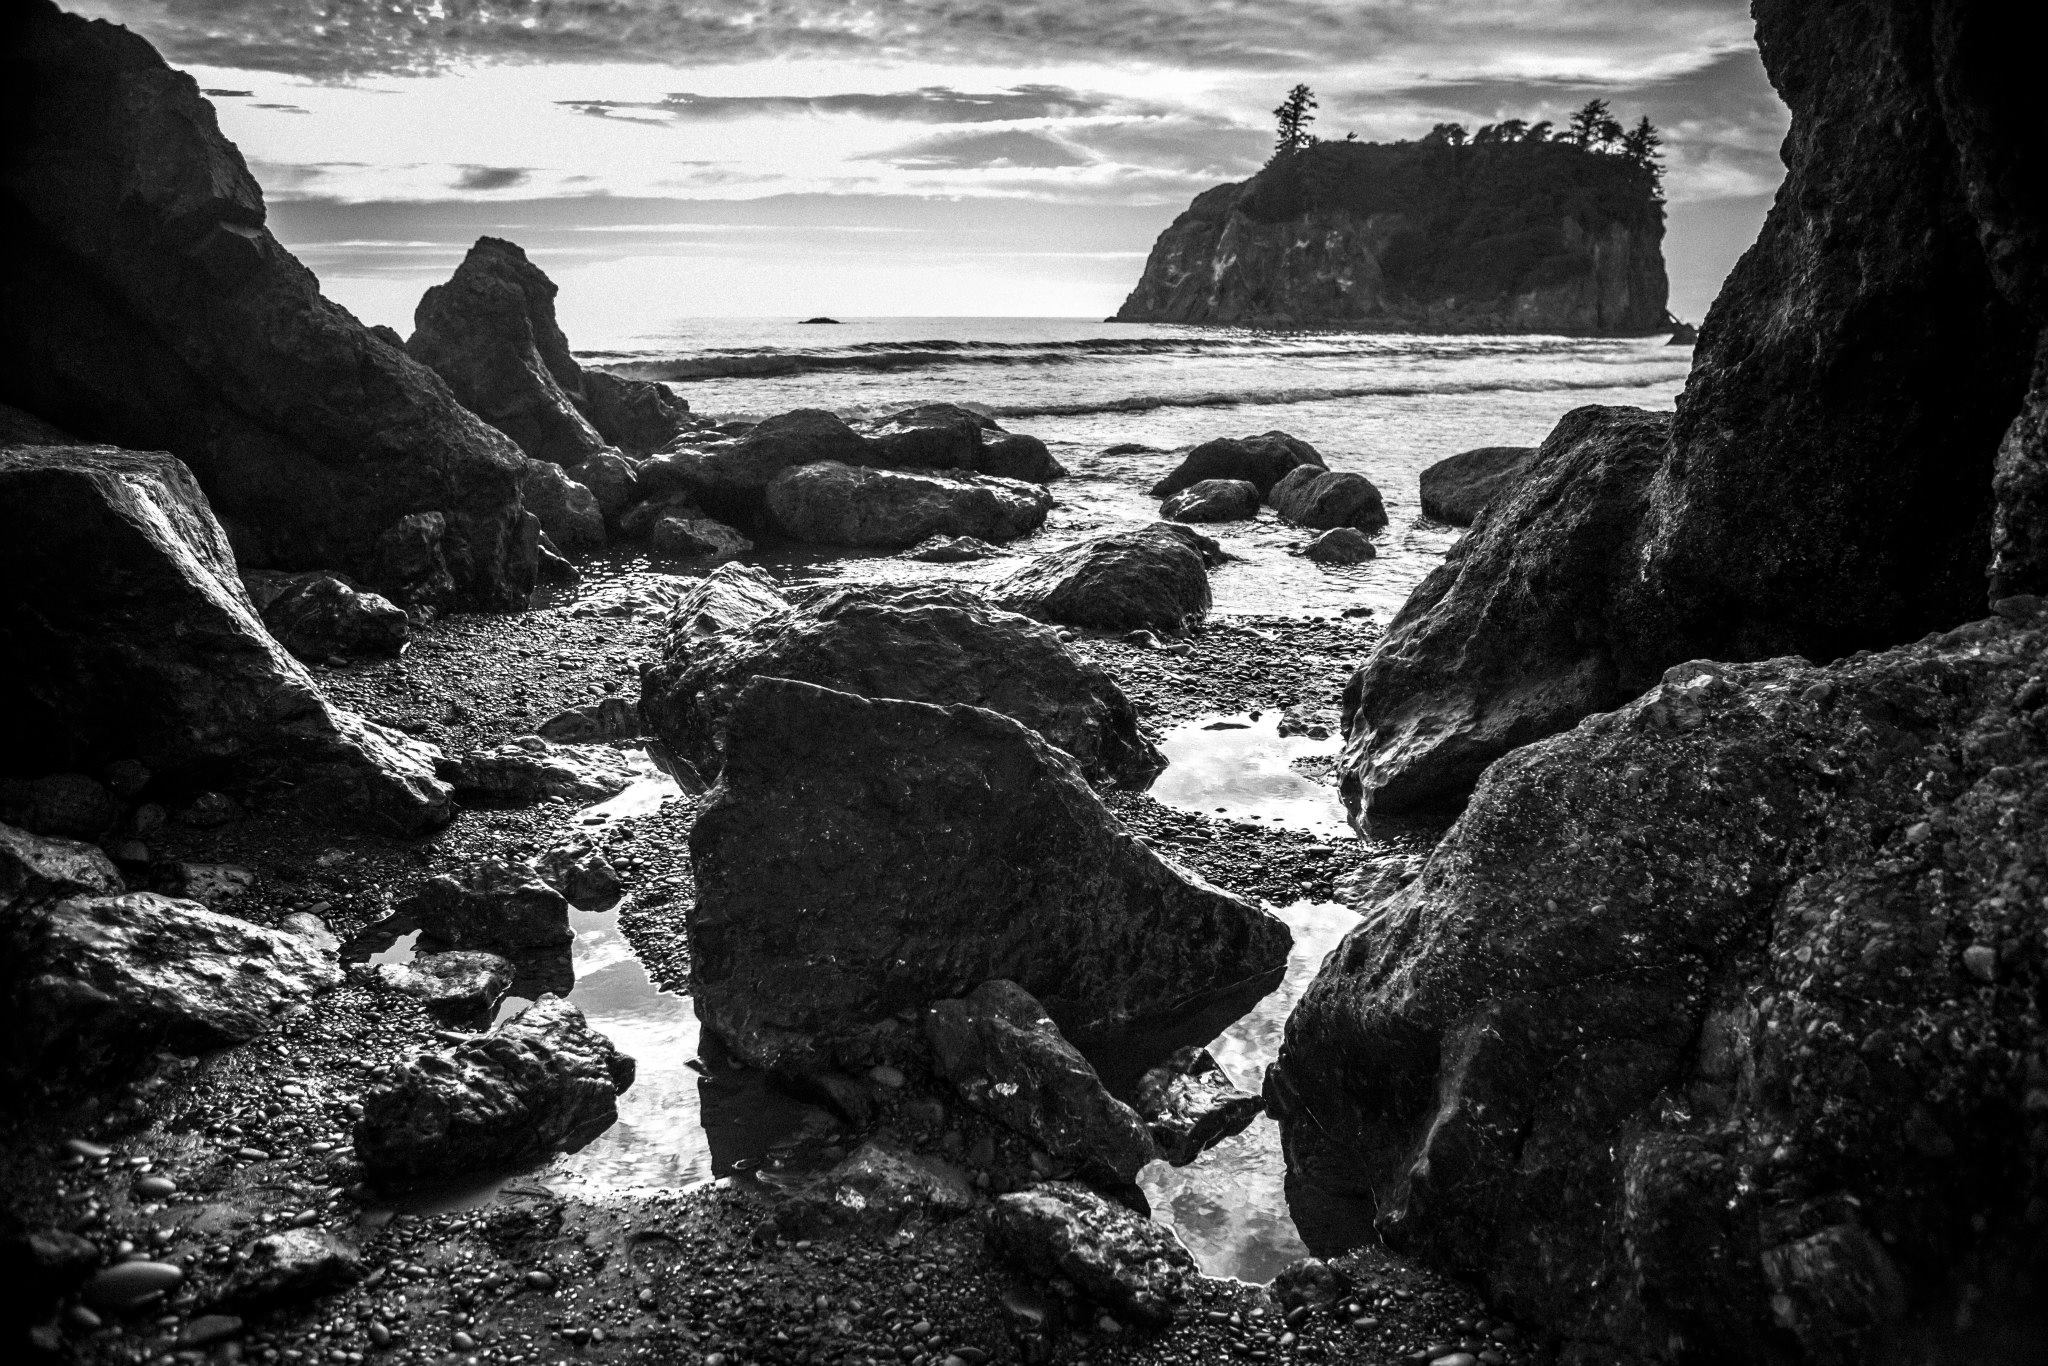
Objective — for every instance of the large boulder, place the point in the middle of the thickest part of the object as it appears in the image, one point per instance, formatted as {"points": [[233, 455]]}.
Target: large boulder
{"points": [[1456, 489], [700, 539], [1212, 500], [1004, 1057], [829, 503], [318, 615], [1834, 472], [1323, 499], [1261, 461], [638, 416], [934, 644], [129, 636], [1711, 1031], [1511, 638], [93, 983], [731, 477], [542, 1082], [947, 436], [569, 513], [1156, 577], [36, 869], [860, 856], [146, 305]]}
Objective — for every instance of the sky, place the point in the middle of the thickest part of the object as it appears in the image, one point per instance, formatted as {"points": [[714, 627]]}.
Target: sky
{"points": [[668, 159]]}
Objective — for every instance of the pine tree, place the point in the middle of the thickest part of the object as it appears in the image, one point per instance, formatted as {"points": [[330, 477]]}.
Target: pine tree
{"points": [[1594, 125], [1294, 117]]}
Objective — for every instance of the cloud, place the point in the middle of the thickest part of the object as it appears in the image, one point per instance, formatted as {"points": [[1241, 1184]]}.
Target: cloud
{"points": [[282, 108], [1011, 147], [931, 104], [227, 94], [491, 177]]}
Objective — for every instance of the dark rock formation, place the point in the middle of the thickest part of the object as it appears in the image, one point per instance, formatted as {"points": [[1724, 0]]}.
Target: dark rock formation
{"points": [[527, 770], [952, 437], [731, 478], [612, 481], [36, 869], [1189, 1104], [1005, 1057], [695, 538], [493, 907], [951, 550], [460, 988], [1152, 577], [319, 616], [1213, 500], [569, 513], [542, 1082], [1324, 499], [1419, 236], [827, 503], [1123, 1261], [129, 637], [582, 874], [146, 305], [1711, 1031], [293, 1264], [1455, 490], [1261, 461], [730, 598], [1511, 638], [491, 333], [94, 983], [1830, 482], [938, 645], [1341, 546], [923, 851]]}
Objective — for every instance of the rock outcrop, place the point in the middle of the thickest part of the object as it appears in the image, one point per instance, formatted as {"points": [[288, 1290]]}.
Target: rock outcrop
{"points": [[542, 1082], [1456, 489], [491, 333], [863, 856], [938, 645], [1156, 578], [828, 503], [1711, 1030], [1856, 428], [146, 305], [129, 637], [1501, 236]]}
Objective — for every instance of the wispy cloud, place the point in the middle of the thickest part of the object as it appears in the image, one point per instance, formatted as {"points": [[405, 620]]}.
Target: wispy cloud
{"points": [[491, 177], [931, 104], [1014, 147]]}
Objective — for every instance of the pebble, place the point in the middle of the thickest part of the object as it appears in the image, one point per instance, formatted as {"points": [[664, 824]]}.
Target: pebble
{"points": [[156, 1187], [252, 1154], [1455, 1359], [1982, 961], [380, 1336], [540, 1280], [208, 1329], [129, 1285], [87, 1149], [463, 1342]]}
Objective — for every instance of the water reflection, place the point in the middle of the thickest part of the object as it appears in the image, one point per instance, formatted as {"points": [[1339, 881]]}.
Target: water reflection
{"points": [[1244, 767]]}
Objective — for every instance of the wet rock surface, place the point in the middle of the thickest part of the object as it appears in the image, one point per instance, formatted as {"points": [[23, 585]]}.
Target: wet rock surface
{"points": [[149, 307], [1121, 1260], [1155, 577], [1457, 489], [828, 503], [134, 641], [541, 1082], [459, 988], [1023, 875], [1712, 1019], [1344, 545], [530, 769], [1212, 500], [569, 513], [939, 645], [318, 616], [1190, 1104], [1261, 461], [1323, 499]]}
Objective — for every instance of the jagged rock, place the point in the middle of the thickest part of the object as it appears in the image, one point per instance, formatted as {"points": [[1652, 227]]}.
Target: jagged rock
{"points": [[529, 769], [1712, 1021], [555, 567], [612, 481], [1341, 545], [627, 599], [730, 598], [145, 305], [34, 870], [569, 513], [638, 416], [931, 849], [581, 873], [1213, 500], [542, 1082], [1190, 1105], [1152, 577], [884, 1182], [1123, 1261], [1261, 461], [95, 982], [696, 538], [828, 503], [1457, 489], [492, 907], [951, 550], [129, 637], [458, 988], [1322, 499], [930, 644], [318, 615], [66, 805], [1507, 641], [1006, 1058], [293, 1264], [607, 720]]}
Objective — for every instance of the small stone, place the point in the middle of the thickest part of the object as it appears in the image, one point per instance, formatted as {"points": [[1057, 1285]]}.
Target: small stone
{"points": [[87, 1149], [208, 1329], [156, 1187], [463, 1342], [1982, 962], [540, 1280], [380, 1336], [252, 1154], [1455, 1359], [82, 1318], [885, 1075], [130, 1285]]}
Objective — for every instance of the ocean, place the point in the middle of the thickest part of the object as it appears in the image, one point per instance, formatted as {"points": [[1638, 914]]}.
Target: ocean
{"points": [[1385, 406]]}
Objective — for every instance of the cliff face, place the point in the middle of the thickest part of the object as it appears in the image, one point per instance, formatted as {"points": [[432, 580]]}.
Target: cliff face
{"points": [[1424, 237]]}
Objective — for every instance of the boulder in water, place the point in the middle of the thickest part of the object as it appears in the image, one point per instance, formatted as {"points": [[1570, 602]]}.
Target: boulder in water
{"points": [[951, 550], [1213, 500], [540, 1083], [1341, 546], [863, 855], [1455, 490], [1155, 577], [827, 503], [961, 438], [319, 616], [146, 305], [1261, 461], [939, 645], [1321, 499], [130, 637], [1190, 1104]]}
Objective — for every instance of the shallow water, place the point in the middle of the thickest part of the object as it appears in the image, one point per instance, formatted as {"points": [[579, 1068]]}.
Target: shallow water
{"points": [[1242, 767]]}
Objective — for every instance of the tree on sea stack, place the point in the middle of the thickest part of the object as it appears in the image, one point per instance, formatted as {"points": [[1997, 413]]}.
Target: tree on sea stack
{"points": [[1595, 126], [1295, 118]]}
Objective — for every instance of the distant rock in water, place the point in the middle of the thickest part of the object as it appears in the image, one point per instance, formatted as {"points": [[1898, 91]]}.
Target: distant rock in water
{"points": [[1419, 236], [145, 305], [1455, 490], [833, 321]]}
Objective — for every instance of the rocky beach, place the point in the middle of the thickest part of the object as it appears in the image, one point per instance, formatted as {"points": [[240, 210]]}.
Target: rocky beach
{"points": [[512, 853]]}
